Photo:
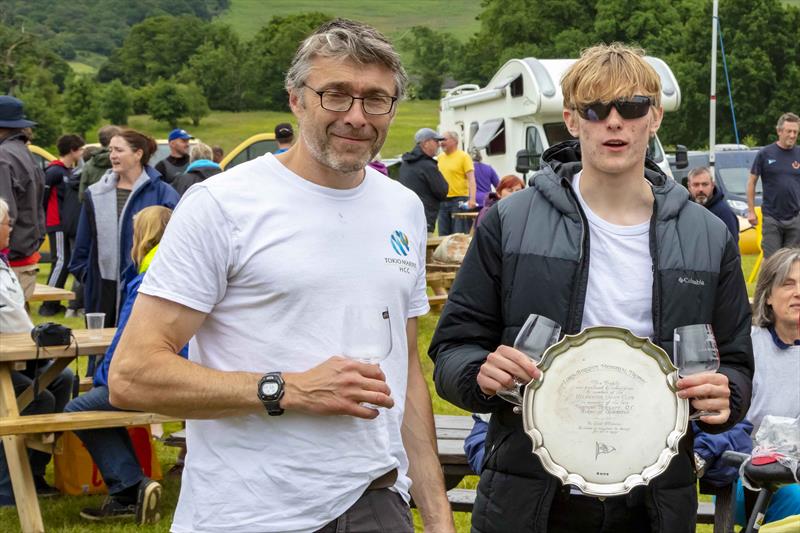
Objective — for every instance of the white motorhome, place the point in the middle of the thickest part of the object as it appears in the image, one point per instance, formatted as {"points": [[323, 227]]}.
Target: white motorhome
{"points": [[520, 109]]}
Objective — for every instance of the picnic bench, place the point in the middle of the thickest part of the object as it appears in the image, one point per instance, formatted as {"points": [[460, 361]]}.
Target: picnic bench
{"points": [[46, 293], [37, 431], [430, 247]]}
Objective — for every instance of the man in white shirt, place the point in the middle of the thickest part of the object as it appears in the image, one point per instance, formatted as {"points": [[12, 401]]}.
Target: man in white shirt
{"points": [[256, 268]]}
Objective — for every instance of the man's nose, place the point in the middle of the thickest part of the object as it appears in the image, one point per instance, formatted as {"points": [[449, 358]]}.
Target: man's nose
{"points": [[356, 116], [614, 119]]}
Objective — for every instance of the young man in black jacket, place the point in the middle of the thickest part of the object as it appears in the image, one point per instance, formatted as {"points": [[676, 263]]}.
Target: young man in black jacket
{"points": [[62, 211], [602, 237]]}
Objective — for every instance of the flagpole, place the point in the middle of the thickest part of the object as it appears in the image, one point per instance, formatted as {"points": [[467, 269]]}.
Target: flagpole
{"points": [[712, 103]]}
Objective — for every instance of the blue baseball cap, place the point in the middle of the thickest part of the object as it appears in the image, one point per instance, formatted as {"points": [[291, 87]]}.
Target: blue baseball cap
{"points": [[178, 133]]}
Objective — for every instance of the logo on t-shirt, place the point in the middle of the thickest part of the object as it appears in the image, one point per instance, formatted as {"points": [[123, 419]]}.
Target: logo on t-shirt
{"points": [[770, 161], [399, 242], [795, 165]]}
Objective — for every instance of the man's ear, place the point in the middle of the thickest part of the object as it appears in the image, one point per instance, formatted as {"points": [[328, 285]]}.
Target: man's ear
{"points": [[572, 121], [294, 102]]}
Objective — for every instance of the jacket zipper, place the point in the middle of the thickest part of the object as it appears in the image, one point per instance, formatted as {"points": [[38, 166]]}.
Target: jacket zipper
{"points": [[656, 299], [582, 275]]}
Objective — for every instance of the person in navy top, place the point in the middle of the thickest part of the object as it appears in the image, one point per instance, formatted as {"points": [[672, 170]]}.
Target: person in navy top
{"points": [[704, 192], [778, 165]]}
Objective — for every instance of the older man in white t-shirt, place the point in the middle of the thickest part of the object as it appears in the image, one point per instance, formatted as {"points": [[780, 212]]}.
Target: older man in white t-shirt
{"points": [[257, 268]]}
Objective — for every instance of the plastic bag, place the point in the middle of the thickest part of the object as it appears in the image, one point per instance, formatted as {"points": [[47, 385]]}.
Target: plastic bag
{"points": [[777, 438]]}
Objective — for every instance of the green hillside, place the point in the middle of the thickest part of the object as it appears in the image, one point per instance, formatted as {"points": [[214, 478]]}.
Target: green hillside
{"points": [[455, 16]]}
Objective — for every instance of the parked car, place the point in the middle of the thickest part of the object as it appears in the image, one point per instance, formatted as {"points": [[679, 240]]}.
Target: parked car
{"points": [[252, 147], [42, 156], [731, 171]]}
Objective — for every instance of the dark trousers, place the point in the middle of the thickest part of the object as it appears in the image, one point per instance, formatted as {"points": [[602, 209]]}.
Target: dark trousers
{"points": [[576, 513], [60, 253], [448, 224], [376, 511], [777, 234], [53, 399]]}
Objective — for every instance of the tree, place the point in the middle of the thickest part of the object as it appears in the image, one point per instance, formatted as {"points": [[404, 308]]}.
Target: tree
{"points": [[219, 69], [81, 105], [196, 103], [167, 103], [155, 48], [270, 58], [20, 52], [430, 59], [42, 103], [116, 103]]}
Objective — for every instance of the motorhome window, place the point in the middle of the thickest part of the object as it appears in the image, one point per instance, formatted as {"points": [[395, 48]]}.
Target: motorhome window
{"points": [[516, 86], [654, 151], [473, 129], [491, 136], [557, 132]]}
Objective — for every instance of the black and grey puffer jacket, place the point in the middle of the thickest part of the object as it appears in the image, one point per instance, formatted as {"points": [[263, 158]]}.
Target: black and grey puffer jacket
{"points": [[531, 255]]}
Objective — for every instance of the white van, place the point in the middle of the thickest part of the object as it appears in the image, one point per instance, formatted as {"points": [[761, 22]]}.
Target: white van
{"points": [[518, 115]]}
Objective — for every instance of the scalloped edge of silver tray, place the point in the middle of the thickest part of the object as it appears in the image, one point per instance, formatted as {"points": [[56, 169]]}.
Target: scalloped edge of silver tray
{"points": [[676, 432]]}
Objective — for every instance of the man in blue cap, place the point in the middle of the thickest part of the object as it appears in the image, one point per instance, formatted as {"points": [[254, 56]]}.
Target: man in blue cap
{"points": [[178, 159], [22, 186]]}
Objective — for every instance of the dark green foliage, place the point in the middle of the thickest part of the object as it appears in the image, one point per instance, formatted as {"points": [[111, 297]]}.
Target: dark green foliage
{"points": [[116, 103], [22, 51], [196, 103], [81, 105], [167, 102], [431, 57], [96, 25]]}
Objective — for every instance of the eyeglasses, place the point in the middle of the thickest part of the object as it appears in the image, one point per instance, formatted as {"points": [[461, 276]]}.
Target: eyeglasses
{"points": [[628, 108], [342, 102]]}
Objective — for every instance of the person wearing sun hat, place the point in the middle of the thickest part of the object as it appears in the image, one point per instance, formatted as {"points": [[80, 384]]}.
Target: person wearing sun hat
{"points": [[22, 186]]}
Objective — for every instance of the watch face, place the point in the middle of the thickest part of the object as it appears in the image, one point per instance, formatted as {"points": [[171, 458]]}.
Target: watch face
{"points": [[270, 388]]}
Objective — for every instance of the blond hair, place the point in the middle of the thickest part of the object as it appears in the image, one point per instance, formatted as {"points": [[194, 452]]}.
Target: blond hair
{"points": [[148, 228], [606, 72], [773, 273], [200, 151]]}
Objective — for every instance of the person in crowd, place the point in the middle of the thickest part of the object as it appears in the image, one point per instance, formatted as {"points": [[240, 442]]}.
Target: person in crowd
{"points": [[22, 186], [200, 168], [506, 187], [704, 192], [105, 230], [130, 492], [62, 210], [219, 154], [178, 159], [778, 166], [14, 319], [485, 177], [621, 241], [284, 136], [420, 173], [100, 162], [268, 384], [456, 167]]}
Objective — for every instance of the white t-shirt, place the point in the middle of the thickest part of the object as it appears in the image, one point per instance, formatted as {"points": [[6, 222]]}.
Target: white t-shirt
{"points": [[620, 287], [775, 381], [272, 258]]}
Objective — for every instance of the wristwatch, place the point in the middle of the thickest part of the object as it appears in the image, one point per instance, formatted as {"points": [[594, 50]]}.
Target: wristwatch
{"points": [[270, 392]]}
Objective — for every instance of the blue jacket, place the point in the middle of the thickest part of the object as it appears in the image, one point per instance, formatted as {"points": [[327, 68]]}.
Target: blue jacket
{"points": [[717, 205], [131, 291], [711, 447], [89, 263]]}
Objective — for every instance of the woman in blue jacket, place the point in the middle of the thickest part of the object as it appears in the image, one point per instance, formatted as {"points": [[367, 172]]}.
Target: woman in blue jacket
{"points": [[130, 493], [105, 230]]}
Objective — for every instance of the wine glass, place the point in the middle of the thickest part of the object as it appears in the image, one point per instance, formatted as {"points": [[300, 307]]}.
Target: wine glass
{"points": [[695, 352], [537, 334], [366, 333]]}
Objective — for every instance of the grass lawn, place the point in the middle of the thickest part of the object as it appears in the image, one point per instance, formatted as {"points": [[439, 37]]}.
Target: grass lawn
{"points": [[227, 129], [392, 18], [61, 514]]}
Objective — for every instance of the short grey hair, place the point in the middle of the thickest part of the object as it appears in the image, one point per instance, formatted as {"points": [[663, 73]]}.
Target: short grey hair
{"points": [[346, 39], [787, 117], [4, 209], [452, 134], [774, 272], [200, 151], [696, 171]]}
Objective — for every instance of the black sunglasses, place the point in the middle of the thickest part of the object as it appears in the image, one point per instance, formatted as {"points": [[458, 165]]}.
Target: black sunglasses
{"points": [[628, 108]]}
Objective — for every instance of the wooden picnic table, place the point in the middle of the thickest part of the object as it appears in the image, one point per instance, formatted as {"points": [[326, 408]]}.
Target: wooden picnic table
{"points": [[430, 247], [18, 348], [451, 430], [46, 293]]}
